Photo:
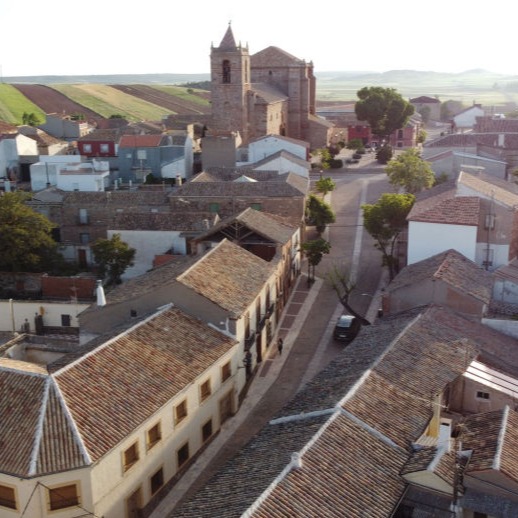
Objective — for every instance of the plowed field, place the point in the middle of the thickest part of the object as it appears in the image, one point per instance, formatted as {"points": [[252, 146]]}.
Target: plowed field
{"points": [[152, 95], [51, 101]]}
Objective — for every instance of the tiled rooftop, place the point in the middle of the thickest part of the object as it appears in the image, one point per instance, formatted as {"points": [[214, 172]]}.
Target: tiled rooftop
{"points": [[74, 416], [229, 276], [451, 267], [364, 410]]}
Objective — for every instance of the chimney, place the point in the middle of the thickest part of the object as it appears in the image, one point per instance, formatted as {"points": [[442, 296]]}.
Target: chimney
{"points": [[99, 291]]}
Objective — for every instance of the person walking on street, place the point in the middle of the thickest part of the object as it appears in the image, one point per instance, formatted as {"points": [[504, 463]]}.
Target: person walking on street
{"points": [[280, 343]]}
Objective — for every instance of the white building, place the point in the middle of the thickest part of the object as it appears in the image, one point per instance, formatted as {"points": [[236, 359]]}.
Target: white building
{"points": [[70, 173]]}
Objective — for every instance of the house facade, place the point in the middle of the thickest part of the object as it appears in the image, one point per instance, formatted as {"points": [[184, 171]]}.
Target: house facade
{"points": [[64, 127], [466, 119], [160, 155], [428, 107], [447, 279]]}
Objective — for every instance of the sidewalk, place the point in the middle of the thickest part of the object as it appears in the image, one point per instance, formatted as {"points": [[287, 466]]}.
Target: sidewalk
{"points": [[305, 346]]}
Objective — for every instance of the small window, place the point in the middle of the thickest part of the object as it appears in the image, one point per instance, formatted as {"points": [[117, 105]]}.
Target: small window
{"points": [[141, 154], [154, 435], [63, 497], [84, 238], [226, 71], [226, 371], [83, 216], [130, 456], [490, 222], [214, 208], [205, 390], [105, 148], [157, 481], [183, 454], [180, 412], [7, 497], [65, 320], [206, 430], [482, 395], [87, 148]]}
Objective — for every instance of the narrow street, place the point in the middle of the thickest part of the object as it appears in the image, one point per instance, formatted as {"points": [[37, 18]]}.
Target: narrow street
{"points": [[306, 327]]}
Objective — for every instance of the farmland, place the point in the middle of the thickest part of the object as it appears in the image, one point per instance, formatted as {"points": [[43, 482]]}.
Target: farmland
{"points": [[145, 98]]}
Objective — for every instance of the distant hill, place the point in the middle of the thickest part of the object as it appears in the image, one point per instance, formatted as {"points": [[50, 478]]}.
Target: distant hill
{"points": [[111, 79]]}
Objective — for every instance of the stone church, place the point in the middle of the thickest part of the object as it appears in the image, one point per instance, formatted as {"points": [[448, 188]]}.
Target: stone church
{"points": [[268, 93]]}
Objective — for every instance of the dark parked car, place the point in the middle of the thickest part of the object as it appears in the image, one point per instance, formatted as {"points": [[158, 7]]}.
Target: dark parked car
{"points": [[346, 328], [357, 155], [352, 161]]}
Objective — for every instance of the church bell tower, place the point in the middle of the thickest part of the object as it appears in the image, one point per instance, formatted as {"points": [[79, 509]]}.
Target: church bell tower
{"points": [[230, 76]]}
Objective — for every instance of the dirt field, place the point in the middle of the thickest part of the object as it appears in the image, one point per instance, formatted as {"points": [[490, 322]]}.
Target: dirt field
{"points": [[51, 101], [152, 95]]}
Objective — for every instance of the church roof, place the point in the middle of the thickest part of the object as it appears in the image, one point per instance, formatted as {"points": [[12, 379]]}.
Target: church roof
{"points": [[228, 41], [268, 93], [273, 57]]}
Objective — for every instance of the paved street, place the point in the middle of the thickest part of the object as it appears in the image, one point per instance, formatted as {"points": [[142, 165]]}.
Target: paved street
{"points": [[306, 327]]}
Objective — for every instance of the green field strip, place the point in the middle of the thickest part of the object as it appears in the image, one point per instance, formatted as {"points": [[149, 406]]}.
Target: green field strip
{"points": [[107, 101], [13, 104], [182, 93]]}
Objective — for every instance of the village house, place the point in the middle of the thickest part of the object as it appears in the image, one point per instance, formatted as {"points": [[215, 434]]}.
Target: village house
{"points": [[227, 192], [447, 279], [428, 107], [64, 127], [475, 215], [106, 426], [162, 156]]}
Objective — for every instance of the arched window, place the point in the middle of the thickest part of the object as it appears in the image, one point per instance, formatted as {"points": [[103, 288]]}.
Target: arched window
{"points": [[226, 71]]}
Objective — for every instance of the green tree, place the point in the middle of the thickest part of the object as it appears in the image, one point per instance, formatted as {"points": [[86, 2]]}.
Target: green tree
{"points": [[319, 213], [410, 171], [314, 251], [384, 221], [421, 137], [113, 256], [383, 108], [355, 143], [425, 113], [325, 185], [25, 235], [30, 119], [384, 154]]}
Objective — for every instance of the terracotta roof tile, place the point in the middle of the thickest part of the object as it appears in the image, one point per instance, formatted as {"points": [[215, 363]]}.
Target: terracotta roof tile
{"points": [[351, 466], [451, 267], [229, 276], [112, 390], [449, 211]]}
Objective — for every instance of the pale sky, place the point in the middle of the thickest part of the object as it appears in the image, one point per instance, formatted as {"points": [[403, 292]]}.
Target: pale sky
{"points": [[59, 37]]}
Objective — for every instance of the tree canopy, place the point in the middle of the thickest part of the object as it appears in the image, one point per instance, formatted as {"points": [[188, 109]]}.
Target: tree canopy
{"points": [[410, 171], [383, 108], [25, 235], [384, 221], [325, 185], [113, 256], [314, 251], [319, 213]]}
